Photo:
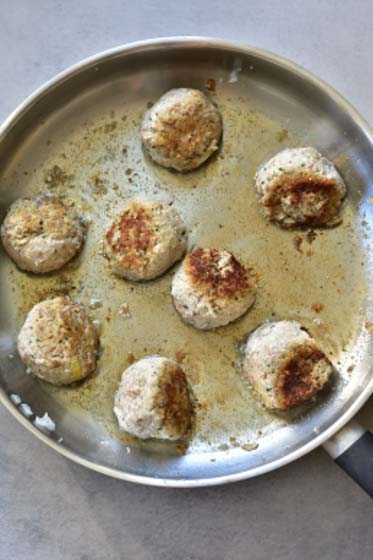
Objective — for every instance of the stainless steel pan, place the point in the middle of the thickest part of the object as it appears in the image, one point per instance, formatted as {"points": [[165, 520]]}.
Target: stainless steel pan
{"points": [[78, 136]]}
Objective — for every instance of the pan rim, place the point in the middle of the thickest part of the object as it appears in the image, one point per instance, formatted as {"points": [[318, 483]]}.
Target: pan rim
{"points": [[197, 42]]}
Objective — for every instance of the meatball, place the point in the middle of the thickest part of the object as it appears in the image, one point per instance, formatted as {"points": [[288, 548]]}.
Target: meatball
{"points": [[145, 240], [212, 288], [153, 400], [58, 342], [299, 187], [41, 234], [182, 129], [284, 364]]}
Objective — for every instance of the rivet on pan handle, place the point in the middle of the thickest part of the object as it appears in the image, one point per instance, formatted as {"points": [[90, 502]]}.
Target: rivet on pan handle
{"points": [[352, 449]]}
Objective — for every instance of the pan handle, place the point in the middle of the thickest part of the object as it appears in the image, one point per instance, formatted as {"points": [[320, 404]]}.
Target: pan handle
{"points": [[352, 449]]}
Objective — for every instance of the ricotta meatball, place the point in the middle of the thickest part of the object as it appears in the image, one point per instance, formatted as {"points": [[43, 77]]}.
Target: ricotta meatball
{"points": [[145, 240], [153, 400], [41, 234], [58, 342], [182, 130], [212, 288], [284, 364], [300, 187]]}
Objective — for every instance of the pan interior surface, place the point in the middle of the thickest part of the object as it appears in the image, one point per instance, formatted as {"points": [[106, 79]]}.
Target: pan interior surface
{"points": [[80, 140]]}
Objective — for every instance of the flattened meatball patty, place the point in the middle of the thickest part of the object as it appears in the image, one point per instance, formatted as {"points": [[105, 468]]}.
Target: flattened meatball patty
{"points": [[284, 364], [145, 240], [153, 400], [59, 342], [182, 130], [41, 234], [299, 187], [212, 288]]}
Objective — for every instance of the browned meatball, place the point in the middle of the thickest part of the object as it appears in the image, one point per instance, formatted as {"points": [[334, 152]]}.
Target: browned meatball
{"points": [[212, 288], [41, 234], [153, 400], [182, 130], [284, 364], [145, 240], [58, 341]]}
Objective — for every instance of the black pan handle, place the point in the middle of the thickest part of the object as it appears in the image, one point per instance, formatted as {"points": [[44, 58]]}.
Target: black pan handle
{"points": [[352, 449]]}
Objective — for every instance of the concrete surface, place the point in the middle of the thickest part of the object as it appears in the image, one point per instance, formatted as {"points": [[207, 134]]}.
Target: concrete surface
{"points": [[52, 509]]}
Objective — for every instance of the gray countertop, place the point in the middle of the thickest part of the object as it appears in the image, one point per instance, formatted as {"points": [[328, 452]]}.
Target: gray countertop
{"points": [[51, 508]]}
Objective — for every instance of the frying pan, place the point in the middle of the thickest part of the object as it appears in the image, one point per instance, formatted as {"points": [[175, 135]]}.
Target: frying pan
{"points": [[77, 136]]}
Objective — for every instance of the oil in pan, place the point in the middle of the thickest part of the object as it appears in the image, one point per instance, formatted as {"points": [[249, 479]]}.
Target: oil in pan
{"points": [[313, 278]]}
